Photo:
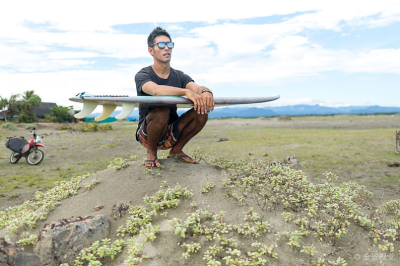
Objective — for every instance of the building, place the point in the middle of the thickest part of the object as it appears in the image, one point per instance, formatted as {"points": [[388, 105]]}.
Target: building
{"points": [[40, 111], [43, 109]]}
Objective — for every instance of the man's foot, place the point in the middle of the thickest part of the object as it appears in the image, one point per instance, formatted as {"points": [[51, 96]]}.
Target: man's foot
{"points": [[152, 163], [183, 158]]}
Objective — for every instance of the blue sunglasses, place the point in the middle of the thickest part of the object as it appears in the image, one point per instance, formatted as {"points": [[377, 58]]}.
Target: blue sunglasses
{"points": [[161, 45]]}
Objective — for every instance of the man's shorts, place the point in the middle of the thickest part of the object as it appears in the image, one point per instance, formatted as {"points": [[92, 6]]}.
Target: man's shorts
{"points": [[168, 140]]}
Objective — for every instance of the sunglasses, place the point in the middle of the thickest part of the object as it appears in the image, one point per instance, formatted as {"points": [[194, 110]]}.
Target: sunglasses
{"points": [[161, 45]]}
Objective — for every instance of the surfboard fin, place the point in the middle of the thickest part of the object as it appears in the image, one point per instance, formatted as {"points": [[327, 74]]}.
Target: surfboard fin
{"points": [[127, 108], [88, 108], [108, 109]]}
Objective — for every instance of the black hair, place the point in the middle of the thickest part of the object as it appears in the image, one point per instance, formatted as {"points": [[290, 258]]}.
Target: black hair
{"points": [[156, 32]]}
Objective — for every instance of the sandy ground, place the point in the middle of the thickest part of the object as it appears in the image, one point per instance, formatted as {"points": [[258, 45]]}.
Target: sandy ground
{"points": [[133, 183], [77, 150]]}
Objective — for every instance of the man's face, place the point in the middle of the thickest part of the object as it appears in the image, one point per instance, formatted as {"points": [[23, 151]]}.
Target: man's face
{"points": [[161, 55]]}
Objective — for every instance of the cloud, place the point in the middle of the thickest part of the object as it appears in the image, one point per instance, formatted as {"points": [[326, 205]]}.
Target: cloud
{"points": [[70, 55], [60, 86], [93, 33], [73, 62], [375, 61], [58, 44]]}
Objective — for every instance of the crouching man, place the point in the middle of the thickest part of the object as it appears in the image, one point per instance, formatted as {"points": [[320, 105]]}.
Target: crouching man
{"points": [[160, 127]]}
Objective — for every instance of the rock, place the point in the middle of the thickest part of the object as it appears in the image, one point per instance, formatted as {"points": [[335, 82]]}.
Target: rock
{"points": [[97, 208], [13, 255], [61, 241], [274, 163], [119, 210], [292, 162], [222, 139]]}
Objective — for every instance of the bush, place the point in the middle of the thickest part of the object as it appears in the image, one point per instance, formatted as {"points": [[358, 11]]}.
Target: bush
{"points": [[85, 127], [27, 117], [61, 114], [95, 127], [29, 126], [106, 127], [66, 128], [9, 126]]}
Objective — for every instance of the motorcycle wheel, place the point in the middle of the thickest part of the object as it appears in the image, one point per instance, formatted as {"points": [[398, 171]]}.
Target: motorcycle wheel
{"points": [[14, 157], [35, 157]]}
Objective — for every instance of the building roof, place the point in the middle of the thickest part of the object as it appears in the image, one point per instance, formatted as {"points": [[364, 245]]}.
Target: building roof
{"points": [[43, 109], [40, 111]]}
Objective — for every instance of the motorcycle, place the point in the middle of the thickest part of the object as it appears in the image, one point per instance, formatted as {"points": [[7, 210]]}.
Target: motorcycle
{"points": [[32, 154]]}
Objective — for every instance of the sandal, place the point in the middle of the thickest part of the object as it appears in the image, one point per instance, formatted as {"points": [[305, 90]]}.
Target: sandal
{"points": [[180, 158], [154, 164]]}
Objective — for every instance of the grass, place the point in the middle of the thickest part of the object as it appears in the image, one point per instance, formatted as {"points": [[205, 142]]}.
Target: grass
{"points": [[319, 150], [336, 214], [24, 178], [349, 153], [9, 126]]}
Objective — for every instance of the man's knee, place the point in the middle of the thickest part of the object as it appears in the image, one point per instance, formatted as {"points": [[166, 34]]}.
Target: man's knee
{"points": [[160, 114], [202, 119]]}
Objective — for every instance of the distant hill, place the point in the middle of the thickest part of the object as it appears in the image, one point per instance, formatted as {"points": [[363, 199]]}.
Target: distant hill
{"points": [[292, 110]]}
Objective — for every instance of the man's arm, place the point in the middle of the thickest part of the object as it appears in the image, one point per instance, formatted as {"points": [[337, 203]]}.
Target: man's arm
{"points": [[203, 101], [207, 103], [154, 89]]}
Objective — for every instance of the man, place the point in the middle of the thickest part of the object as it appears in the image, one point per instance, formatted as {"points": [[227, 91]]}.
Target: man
{"points": [[160, 127]]}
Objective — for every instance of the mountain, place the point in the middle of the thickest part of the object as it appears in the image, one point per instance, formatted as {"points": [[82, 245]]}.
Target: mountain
{"points": [[292, 110]]}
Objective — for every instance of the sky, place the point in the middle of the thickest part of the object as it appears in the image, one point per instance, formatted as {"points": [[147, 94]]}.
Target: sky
{"points": [[332, 53]]}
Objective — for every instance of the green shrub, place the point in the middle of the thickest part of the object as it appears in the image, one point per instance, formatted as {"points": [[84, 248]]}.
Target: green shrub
{"points": [[29, 126], [9, 126], [66, 127], [61, 114], [86, 127], [26, 117], [106, 127]]}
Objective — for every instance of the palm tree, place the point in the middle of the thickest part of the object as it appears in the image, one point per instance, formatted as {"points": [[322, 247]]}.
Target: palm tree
{"points": [[9, 106], [28, 94], [3, 105], [31, 100]]}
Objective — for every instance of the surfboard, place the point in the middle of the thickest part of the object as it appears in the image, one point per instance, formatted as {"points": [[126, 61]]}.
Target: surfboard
{"points": [[128, 103]]}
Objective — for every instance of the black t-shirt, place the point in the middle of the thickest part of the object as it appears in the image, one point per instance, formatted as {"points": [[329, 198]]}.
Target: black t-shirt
{"points": [[176, 78]]}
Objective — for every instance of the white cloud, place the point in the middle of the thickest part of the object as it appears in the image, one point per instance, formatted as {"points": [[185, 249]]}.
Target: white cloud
{"points": [[73, 62], [51, 36], [92, 15], [375, 61], [60, 86], [290, 101], [69, 55]]}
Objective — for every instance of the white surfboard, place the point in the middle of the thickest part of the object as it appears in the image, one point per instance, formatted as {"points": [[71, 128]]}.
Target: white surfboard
{"points": [[128, 103]]}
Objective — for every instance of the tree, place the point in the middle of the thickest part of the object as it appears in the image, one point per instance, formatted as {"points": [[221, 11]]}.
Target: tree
{"points": [[3, 105], [61, 113], [29, 101], [9, 106]]}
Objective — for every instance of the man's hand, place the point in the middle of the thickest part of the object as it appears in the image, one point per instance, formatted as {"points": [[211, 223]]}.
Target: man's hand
{"points": [[209, 101], [203, 103]]}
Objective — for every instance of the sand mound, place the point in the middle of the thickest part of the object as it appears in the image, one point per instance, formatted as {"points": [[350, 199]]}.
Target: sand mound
{"points": [[225, 226]]}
